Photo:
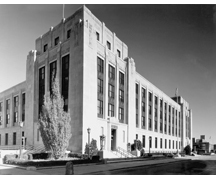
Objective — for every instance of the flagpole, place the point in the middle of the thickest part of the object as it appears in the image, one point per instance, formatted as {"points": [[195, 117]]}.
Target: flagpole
{"points": [[63, 11]]}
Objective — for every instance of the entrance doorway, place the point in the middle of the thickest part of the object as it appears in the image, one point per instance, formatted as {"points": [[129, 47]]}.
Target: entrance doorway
{"points": [[113, 139]]}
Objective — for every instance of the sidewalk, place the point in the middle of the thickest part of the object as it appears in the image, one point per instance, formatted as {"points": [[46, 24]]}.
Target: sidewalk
{"points": [[91, 169], [82, 169]]}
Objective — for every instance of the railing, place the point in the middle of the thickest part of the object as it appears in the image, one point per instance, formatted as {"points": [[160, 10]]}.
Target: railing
{"points": [[124, 152]]}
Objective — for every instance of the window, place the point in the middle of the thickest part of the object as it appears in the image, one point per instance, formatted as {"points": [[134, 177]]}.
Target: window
{"points": [[111, 72], [0, 106], [121, 114], [143, 140], [119, 53], [137, 88], [68, 33], [53, 70], [121, 95], [56, 41], [155, 112], [65, 80], [173, 144], [111, 110], [100, 108], [7, 118], [150, 141], [143, 121], [16, 101], [8, 104], [169, 144], [121, 78], [23, 107], [165, 143], [143, 106], [143, 93], [150, 125], [38, 134], [137, 120], [100, 65], [108, 45], [137, 103], [0, 120], [45, 47], [150, 112], [155, 142], [23, 133], [161, 143], [15, 117], [98, 36], [100, 86], [41, 87], [156, 99], [136, 136], [14, 138], [6, 139], [155, 125], [150, 97], [111, 91]]}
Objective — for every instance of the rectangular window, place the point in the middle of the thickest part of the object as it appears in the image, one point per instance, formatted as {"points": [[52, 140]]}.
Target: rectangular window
{"points": [[121, 78], [108, 45], [100, 63], [137, 121], [111, 110], [23, 107], [56, 41], [68, 33], [161, 143], [169, 144], [38, 134], [98, 36], [150, 96], [100, 108], [150, 141], [155, 142], [137, 103], [16, 98], [45, 47], [150, 125], [53, 70], [143, 141], [165, 143], [121, 95], [150, 111], [143, 93], [6, 139], [136, 136], [121, 114], [7, 118], [156, 99], [111, 72], [8, 104], [0, 120], [119, 53], [100, 86], [15, 117], [41, 87], [155, 112], [111, 91], [14, 138], [137, 88], [143, 121], [173, 144], [143, 106], [65, 80]]}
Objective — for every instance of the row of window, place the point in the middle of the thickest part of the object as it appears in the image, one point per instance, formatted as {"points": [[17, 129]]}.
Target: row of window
{"points": [[65, 81], [56, 40], [159, 141], [15, 108], [14, 142], [108, 44]]}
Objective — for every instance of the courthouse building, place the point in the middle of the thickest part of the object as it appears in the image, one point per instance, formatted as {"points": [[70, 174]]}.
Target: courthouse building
{"points": [[101, 89]]}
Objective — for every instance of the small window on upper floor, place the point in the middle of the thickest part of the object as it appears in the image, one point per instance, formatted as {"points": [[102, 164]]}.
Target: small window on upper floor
{"points": [[45, 47], [108, 45], [56, 41], [98, 36], [119, 53], [68, 33]]}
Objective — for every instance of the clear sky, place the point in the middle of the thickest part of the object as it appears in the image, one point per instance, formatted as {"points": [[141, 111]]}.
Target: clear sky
{"points": [[173, 47]]}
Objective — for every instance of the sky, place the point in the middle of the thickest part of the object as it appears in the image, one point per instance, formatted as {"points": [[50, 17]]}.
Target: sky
{"points": [[173, 47]]}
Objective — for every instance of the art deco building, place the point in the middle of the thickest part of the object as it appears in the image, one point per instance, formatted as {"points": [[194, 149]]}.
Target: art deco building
{"points": [[101, 89]]}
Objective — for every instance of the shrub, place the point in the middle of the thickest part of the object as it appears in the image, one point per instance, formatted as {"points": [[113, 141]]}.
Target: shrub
{"points": [[187, 150], [8, 157], [92, 148], [40, 156], [137, 145]]}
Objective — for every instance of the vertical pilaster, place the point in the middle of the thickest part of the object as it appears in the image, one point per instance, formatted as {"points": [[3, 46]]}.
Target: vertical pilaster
{"points": [[139, 105], [147, 109], [153, 111], [11, 110]]}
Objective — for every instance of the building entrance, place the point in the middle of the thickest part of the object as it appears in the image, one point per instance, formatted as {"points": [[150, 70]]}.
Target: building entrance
{"points": [[113, 139]]}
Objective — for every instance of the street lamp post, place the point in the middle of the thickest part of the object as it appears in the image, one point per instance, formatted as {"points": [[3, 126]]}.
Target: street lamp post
{"points": [[149, 143], [21, 125], [88, 130]]}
